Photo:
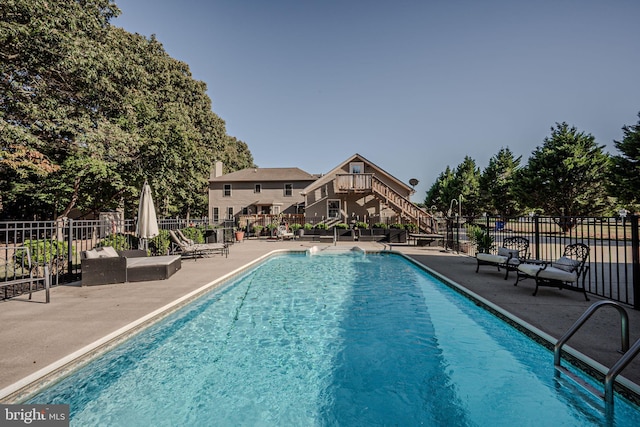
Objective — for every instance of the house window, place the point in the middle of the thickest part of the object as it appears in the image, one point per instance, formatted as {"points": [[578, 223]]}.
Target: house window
{"points": [[227, 190], [356, 167], [288, 190], [215, 214], [230, 213], [333, 209], [276, 209], [257, 188]]}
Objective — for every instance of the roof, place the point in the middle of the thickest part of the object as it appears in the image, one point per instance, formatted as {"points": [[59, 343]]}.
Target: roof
{"points": [[266, 174], [330, 176]]}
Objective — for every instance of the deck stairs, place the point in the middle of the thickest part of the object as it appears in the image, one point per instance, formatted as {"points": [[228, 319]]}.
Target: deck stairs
{"points": [[404, 207]]}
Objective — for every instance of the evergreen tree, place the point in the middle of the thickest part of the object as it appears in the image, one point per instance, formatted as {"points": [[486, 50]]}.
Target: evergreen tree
{"points": [[625, 168], [566, 177], [496, 184]]}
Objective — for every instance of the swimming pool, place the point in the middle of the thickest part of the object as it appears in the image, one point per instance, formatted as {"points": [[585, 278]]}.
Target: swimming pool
{"points": [[348, 339]]}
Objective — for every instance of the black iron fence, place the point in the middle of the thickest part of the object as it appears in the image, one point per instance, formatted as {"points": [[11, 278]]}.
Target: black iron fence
{"points": [[614, 258], [58, 244], [614, 261]]}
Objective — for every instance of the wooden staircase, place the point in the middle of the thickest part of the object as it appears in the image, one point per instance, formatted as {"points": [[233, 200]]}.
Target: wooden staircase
{"points": [[404, 207]]}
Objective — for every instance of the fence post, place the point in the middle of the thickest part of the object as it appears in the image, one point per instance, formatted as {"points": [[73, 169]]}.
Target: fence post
{"points": [[635, 259], [69, 247], [536, 235]]}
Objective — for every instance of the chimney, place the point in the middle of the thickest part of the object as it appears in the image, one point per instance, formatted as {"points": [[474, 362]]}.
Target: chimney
{"points": [[216, 170]]}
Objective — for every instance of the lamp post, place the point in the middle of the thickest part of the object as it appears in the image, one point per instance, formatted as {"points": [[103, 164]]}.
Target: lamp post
{"points": [[413, 183]]}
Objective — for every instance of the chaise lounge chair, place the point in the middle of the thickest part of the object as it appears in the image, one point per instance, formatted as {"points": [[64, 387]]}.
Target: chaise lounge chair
{"points": [[187, 248], [514, 251], [565, 273]]}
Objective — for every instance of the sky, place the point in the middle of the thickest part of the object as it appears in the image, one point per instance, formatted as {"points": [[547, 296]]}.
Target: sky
{"points": [[413, 86]]}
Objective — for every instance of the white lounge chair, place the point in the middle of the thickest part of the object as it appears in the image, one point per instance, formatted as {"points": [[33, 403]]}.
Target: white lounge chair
{"points": [[565, 273]]}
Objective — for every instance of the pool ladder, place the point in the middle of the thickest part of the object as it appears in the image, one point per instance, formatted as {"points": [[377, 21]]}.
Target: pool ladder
{"points": [[628, 354]]}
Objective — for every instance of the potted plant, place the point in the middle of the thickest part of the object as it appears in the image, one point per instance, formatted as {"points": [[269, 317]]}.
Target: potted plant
{"points": [[257, 229], [239, 234], [272, 227], [296, 229], [481, 238]]}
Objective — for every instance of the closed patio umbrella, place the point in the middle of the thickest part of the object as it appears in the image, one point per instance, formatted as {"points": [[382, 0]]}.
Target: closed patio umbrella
{"points": [[147, 226]]}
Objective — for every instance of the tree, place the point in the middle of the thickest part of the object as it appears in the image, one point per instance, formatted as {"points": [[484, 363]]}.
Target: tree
{"points": [[625, 168], [441, 193], [496, 184], [565, 177], [466, 183], [450, 185], [88, 112]]}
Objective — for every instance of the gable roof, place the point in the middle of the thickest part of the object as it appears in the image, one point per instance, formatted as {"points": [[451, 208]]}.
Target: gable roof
{"points": [[266, 174], [330, 176]]}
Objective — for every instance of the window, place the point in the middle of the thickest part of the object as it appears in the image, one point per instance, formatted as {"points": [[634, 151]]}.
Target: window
{"points": [[288, 190], [227, 190], [230, 213], [333, 209], [215, 214], [257, 188], [356, 167], [275, 209]]}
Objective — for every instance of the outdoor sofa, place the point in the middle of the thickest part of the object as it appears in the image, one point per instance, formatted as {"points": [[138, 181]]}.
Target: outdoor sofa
{"points": [[102, 266]]}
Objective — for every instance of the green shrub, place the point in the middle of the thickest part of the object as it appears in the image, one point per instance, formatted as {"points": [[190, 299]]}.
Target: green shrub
{"points": [[159, 245], [410, 227], [295, 227], [119, 242], [321, 226], [379, 225], [342, 226], [361, 224], [257, 229], [308, 226], [397, 226], [482, 239], [43, 251], [194, 234]]}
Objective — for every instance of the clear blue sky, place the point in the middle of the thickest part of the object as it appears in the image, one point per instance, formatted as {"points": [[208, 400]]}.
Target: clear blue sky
{"points": [[413, 86]]}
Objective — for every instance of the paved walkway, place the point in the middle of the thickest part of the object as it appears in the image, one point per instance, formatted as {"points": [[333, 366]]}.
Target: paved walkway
{"points": [[34, 335]]}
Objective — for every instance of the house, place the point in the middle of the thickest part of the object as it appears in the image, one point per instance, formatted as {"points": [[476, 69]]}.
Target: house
{"points": [[256, 191], [357, 190]]}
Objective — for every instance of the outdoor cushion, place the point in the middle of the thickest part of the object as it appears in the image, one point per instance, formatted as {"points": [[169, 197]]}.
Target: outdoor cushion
{"points": [[552, 273], [566, 264], [109, 252], [506, 252], [496, 259]]}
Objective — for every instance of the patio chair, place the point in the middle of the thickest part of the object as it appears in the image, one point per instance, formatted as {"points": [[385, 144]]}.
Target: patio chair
{"points": [[283, 233], [513, 251], [188, 248], [568, 272]]}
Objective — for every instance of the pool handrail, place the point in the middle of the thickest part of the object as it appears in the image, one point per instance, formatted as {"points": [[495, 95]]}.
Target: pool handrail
{"points": [[628, 354]]}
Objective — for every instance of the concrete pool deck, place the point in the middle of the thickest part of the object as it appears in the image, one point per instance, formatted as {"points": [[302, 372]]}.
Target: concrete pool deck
{"points": [[34, 335]]}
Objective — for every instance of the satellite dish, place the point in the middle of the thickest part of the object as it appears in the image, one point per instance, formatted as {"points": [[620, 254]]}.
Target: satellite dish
{"points": [[413, 182]]}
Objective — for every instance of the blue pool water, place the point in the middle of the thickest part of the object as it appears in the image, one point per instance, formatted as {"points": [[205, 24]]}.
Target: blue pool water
{"points": [[330, 340]]}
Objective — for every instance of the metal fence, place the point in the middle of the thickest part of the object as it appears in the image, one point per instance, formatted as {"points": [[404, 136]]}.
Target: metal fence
{"points": [[614, 257], [59, 244], [614, 261]]}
